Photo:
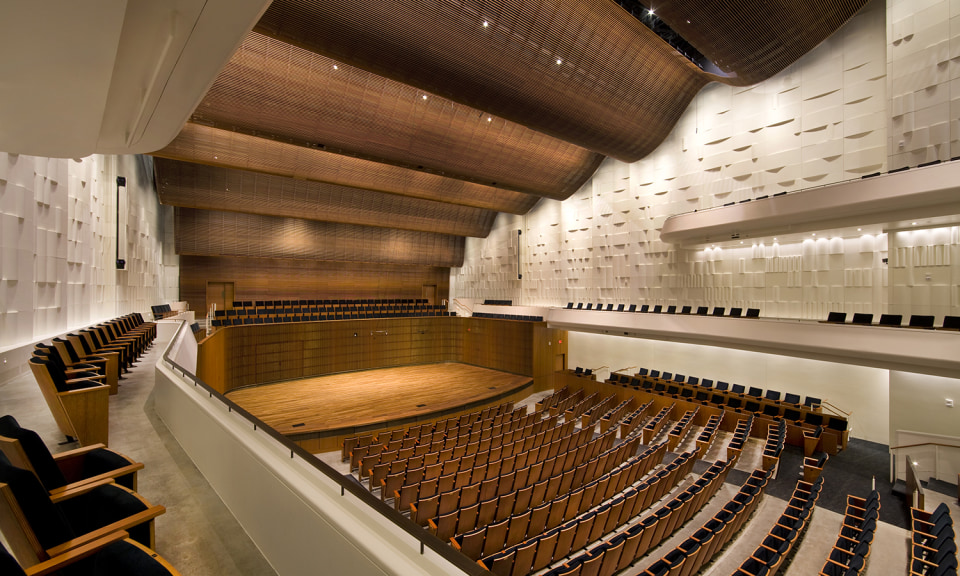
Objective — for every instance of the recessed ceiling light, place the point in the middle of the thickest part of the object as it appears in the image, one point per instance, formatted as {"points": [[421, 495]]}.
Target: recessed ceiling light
{"points": [[650, 12], [814, 233], [216, 157], [774, 239], [424, 96], [335, 67], [486, 24], [489, 119], [559, 61], [914, 224], [741, 241], [859, 229]]}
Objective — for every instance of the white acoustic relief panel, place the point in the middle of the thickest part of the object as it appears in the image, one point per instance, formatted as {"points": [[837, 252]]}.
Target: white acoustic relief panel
{"points": [[56, 254], [922, 61], [924, 272], [822, 120]]}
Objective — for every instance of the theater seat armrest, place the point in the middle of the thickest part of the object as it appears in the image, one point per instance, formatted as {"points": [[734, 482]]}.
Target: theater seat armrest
{"points": [[83, 488], [60, 561], [120, 525], [99, 479]]}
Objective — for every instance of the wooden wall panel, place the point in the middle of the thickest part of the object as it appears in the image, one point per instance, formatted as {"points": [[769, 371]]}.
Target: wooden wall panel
{"points": [[257, 354], [283, 279]]}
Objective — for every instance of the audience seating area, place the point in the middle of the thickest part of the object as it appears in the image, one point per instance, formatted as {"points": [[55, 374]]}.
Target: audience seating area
{"points": [[933, 549], [77, 374], [896, 320], [786, 533], [161, 311], [508, 317], [768, 405], [274, 311], [77, 509], [849, 555], [670, 309]]}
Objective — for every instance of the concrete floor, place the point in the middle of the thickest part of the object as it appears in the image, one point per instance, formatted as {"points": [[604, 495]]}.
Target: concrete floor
{"points": [[198, 534]]}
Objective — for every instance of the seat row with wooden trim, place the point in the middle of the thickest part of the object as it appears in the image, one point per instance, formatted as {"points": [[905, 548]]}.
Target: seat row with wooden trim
{"points": [[570, 469], [621, 550], [520, 317], [895, 320], [670, 309], [77, 373], [544, 505], [933, 549], [739, 400], [280, 318], [848, 557], [576, 519], [328, 302], [494, 413], [782, 539], [511, 471], [72, 511]]}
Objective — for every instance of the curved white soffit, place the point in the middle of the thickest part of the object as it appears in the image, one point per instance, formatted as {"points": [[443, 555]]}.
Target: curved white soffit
{"points": [[110, 76], [929, 192]]}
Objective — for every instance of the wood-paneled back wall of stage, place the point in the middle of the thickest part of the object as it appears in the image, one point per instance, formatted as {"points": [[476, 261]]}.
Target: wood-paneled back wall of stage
{"points": [[246, 355], [289, 279]]}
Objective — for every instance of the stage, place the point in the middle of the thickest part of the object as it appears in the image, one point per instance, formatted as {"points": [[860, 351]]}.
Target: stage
{"points": [[318, 412]]}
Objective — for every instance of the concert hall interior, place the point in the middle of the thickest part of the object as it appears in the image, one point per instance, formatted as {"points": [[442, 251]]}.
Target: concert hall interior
{"points": [[558, 287]]}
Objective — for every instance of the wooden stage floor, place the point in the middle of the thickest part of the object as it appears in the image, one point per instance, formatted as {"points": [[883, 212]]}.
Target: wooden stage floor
{"points": [[357, 399]]}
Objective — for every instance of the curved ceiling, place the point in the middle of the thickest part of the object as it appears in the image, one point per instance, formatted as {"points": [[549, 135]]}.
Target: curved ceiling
{"points": [[417, 117]]}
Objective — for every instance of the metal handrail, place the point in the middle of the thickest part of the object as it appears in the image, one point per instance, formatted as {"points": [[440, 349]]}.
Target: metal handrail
{"points": [[426, 539], [925, 444], [835, 409]]}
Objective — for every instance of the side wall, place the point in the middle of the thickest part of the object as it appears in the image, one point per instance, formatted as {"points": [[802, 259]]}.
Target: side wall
{"points": [[57, 245]]}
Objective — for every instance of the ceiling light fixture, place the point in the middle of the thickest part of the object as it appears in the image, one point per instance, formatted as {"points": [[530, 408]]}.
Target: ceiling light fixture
{"points": [[424, 96], [489, 119], [486, 24], [814, 233], [335, 67], [914, 224], [859, 229], [650, 12], [559, 61]]}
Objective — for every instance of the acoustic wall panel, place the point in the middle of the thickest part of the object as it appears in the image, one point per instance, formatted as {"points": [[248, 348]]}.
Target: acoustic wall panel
{"points": [[730, 145]]}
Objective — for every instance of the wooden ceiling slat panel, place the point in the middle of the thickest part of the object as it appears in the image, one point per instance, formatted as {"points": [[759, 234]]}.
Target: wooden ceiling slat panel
{"points": [[205, 187], [618, 88], [213, 233], [209, 145], [754, 40], [279, 89]]}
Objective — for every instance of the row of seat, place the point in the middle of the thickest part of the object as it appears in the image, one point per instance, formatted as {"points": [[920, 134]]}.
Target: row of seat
{"points": [[77, 373], [720, 386], [699, 549], [581, 407], [680, 429], [281, 318], [161, 311], [630, 422], [670, 309], [521, 317], [554, 475], [494, 413], [593, 414], [550, 502], [653, 426], [781, 540], [570, 522], [751, 401], [511, 471], [561, 405], [440, 450], [625, 548], [740, 435], [933, 549], [463, 461], [848, 556], [709, 432], [328, 303], [78, 508], [776, 437], [916, 320]]}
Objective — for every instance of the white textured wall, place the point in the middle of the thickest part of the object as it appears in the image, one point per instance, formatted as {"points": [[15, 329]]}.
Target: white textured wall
{"points": [[923, 65], [821, 121], [925, 272], [57, 247]]}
